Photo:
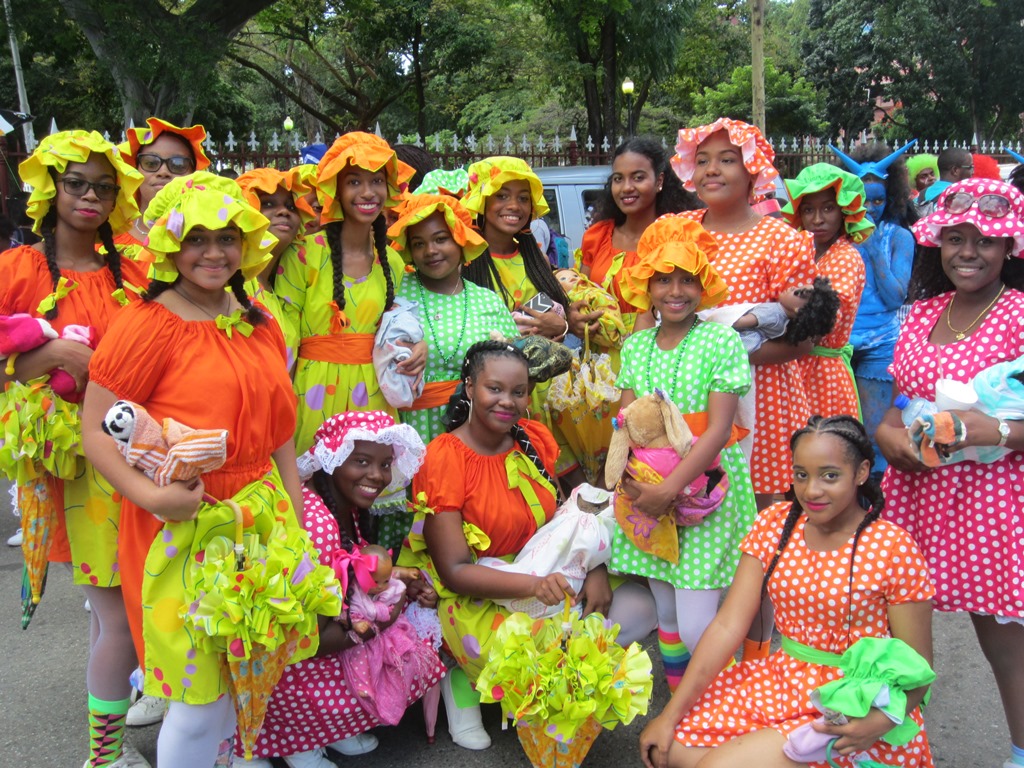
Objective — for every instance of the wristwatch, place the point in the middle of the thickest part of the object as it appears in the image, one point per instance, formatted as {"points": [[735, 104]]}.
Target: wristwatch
{"points": [[1004, 433]]}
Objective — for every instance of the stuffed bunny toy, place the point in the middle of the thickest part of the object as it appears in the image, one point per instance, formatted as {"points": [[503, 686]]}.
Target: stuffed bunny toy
{"points": [[651, 437]]}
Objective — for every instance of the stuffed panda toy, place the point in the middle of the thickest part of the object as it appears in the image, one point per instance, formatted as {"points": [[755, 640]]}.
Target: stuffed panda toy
{"points": [[119, 422]]}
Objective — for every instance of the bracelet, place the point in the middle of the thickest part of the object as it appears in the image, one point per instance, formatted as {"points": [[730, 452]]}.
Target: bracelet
{"points": [[564, 333], [1004, 433], [12, 358]]}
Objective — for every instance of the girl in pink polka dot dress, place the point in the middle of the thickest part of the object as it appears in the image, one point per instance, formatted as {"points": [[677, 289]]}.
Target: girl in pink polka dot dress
{"points": [[967, 517], [836, 573], [354, 458]]}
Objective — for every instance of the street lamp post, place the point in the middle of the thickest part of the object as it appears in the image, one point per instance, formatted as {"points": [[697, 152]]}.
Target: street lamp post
{"points": [[627, 91]]}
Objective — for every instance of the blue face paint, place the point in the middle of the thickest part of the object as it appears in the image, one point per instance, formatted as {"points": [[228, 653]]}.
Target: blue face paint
{"points": [[874, 200]]}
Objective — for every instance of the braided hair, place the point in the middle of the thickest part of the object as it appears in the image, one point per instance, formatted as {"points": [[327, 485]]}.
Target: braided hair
{"points": [[112, 256], [323, 485], [459, 404], [858, 450], [380, 242], [483, 271]]}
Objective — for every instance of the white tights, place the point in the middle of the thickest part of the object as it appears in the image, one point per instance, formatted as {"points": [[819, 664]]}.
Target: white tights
{"points": [[192, 733], [686, 611], [633, 610]]}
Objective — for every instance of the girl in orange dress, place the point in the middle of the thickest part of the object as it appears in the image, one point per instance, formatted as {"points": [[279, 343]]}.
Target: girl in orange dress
{"points": [[829, 203], [160, 152], [81, 193], [641, 188], [729, 162], [830, 540], [209, 358]]}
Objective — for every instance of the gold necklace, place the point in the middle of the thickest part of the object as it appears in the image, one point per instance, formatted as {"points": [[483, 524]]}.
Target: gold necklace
{"points": [[201, 308], [961, 335]]}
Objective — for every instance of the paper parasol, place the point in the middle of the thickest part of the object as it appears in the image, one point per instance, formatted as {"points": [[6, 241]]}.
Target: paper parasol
{"points": [[557, 675], [40, 440], [253, 602]]}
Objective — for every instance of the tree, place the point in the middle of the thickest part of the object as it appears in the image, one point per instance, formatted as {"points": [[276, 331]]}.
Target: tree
{"points": [[791, 104], [606, 39], [162, 55]]}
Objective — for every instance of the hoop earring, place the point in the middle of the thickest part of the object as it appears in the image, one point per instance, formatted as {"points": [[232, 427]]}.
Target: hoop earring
{"points": [[469, 419]]}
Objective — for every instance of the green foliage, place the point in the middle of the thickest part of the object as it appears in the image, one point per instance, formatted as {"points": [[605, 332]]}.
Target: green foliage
{"points": [[791, 104]]}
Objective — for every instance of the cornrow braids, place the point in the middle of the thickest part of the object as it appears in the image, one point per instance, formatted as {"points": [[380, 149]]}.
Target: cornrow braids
{"points": [[106, 233], [380, 244], [859, 450], [459, 403], [156, 287], [333, 233], [253, 314], [47, 228]]}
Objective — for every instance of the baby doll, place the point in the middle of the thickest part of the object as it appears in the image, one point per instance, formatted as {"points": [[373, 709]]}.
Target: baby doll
{"points": [[22, 333], [611, 331], [381, 669], [651, 437], [798, 315], [399, 329]]}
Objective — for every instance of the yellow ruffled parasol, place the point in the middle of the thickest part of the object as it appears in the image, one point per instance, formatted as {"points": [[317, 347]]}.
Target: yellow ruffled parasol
{"points": [[254, 602], [40, 442], [583, 401], [562, 681]]}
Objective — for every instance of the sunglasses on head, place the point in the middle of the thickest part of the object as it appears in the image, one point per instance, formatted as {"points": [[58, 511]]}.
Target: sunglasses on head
{"points": [[178, 165], [993, 205], [77, 187]]}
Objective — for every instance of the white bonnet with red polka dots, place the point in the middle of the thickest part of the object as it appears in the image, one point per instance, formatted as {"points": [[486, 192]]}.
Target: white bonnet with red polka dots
{"points": [[336, 438]]}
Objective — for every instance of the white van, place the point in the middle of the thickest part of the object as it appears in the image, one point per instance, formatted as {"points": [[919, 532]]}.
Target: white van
{"points": [[571, 192]]}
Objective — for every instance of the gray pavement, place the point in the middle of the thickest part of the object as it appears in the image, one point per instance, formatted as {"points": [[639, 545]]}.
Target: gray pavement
{"points": [[43, 700]]}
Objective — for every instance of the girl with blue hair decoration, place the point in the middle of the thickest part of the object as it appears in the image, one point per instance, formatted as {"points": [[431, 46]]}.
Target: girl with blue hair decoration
{"points": [[888, 260]]}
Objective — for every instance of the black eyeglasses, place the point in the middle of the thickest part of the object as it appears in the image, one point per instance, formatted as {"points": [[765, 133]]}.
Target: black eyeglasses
{"points": [[178, 165], [992, 205], [77, 187]]}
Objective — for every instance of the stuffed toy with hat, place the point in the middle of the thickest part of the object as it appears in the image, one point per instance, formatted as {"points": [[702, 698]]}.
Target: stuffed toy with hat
{"points": [[651, 437], [23, 333]]}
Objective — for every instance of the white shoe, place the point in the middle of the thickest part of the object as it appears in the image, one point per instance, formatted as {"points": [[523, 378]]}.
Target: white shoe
{"points": [[147, 710], [313, 759], [130, 758], [87, 606], [15, 539], [359, 744], [464, 724]]}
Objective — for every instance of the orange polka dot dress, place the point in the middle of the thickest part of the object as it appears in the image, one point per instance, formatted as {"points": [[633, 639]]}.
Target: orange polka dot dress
{"points": [[758, 265], [811, 595], [830, 388]]}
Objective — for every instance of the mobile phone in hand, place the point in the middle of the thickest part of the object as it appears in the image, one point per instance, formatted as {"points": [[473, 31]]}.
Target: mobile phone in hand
{"points": [[540, 303]]}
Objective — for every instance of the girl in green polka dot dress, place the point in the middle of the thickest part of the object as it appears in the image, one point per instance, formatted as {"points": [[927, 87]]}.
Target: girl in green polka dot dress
{"points": [[703, 369], [435, 235]]}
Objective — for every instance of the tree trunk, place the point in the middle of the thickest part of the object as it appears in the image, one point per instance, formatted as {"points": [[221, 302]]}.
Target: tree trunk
{"points": [[610, 84], [421, 97], [757, 14]]}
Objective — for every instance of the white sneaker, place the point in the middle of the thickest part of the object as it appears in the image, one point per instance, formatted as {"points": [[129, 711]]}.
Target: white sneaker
{"points": [[15, 539], [313, 759], [147, 710], [359, 744], [464, 724], [130, 758]]}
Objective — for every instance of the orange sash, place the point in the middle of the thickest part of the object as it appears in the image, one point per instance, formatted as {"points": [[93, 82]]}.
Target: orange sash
{"points": [[341, 348], [698, 424], [435, 394]]}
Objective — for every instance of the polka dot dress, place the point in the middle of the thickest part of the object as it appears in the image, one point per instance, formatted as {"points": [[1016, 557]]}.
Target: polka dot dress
{"points": [[968, 518], [451, 325], [758, 265], [710, 359], [830, 389], [811, 594], [313, 705]]}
